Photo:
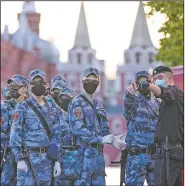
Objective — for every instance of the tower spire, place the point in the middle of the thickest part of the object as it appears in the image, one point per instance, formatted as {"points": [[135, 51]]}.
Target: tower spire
{"points": [[82, 35], [140, 35], [28, 7], [6, 35]]}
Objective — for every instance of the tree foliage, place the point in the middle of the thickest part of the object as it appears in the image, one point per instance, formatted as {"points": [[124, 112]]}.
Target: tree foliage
{"points": [[171, 49]]}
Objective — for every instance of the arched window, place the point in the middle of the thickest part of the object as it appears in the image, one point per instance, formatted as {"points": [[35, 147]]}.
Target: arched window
{"points": [[151, 57], [127, 59], [138, 57], [79, 58], [90, 58]]}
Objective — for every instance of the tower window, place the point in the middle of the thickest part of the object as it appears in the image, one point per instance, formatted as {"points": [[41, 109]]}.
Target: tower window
{"points": [[79, 58], [90, 58], [138, 57], [127, 60], [151, 57]]}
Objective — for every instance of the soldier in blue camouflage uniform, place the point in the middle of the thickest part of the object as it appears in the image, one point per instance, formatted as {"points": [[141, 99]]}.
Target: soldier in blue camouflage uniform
{"points": [[141, 113], [17, 87], [90, 127], [28, 130], [63, 95]]}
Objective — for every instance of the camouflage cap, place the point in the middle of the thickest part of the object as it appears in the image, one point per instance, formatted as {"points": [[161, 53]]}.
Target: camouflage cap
{"points": [[5, 92], [89, 71], [141, 74], [37, 72], [61, 79], [19, 80], [57, 84], [67, 91]]}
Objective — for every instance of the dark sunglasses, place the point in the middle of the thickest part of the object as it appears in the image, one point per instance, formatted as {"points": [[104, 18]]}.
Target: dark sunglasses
{"points": [[90, 81]]}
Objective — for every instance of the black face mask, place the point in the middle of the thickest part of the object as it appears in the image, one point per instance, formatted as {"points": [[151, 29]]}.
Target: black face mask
{"points": [[7, 98], [64, 104], [38, 90], [14, 93], [90, 87], [144, 92]]}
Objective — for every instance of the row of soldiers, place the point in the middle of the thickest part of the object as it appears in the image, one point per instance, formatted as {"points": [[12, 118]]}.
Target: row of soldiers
{"points": [[53, 137]]}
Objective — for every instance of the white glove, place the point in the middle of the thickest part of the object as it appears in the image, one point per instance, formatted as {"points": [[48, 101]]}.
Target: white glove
{"points": [[108, 139], [22, 166], [118, 141], [57, 169]]}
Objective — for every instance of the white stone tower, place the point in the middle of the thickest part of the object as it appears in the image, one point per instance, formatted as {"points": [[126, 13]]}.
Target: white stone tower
{"points": [[139, 56]]}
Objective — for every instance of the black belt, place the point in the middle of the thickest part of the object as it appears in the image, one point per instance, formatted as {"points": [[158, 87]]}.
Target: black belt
{"points": [[136, 151], [95, 145], [38, 149]]}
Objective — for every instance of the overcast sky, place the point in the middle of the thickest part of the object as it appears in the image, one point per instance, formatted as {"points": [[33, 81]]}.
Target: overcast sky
{"points": [[110, 26]]}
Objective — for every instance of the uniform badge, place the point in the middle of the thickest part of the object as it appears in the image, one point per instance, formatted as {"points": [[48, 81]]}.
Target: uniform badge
{"points": [[15, 116], [2, 121], [78, 113]]}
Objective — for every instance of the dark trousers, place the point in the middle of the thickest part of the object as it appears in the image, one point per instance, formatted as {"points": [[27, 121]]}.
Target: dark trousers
{"points": [[176, 164]]}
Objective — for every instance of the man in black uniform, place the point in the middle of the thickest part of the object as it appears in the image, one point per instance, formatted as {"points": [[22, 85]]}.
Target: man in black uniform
{"points": [[169, 135]]}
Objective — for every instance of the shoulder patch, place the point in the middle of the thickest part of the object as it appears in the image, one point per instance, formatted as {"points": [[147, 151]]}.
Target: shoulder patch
{"points": [[2, 120], [15, 116], [78, 113]]}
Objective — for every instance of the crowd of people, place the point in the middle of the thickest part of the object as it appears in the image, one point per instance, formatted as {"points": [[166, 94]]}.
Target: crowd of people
{"points": [[51, 136]]}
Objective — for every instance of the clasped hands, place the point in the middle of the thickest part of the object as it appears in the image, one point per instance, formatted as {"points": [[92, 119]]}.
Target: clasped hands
{"points": [[116, 141]]}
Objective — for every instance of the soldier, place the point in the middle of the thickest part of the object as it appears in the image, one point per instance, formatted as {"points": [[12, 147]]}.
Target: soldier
{"points": [[89, 124], [6, 94], [141, 113], [16, 90], [35, 135], [169, 135], [63, 96]]}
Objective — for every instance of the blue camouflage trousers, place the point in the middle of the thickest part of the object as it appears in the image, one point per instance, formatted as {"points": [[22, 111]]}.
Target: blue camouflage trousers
{"points": [[42, 166], [8, 174], [93, 168], [138, 168], [71, 163]]}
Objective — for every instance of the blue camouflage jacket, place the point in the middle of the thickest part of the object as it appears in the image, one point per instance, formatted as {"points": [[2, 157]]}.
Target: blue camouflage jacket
{"points": [[28, 128], [88, 125], [6, 121], [142, 115]]}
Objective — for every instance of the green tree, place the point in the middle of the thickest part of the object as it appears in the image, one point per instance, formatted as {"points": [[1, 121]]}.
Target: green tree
{"points": [[171, 49]]}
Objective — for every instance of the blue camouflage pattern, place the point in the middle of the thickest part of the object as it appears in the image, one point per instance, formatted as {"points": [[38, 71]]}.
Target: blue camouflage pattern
{"points": [[37, 72], [19, 80], [69, 165], [138, 168], [89, 71], [67, 91], [9, 169], [141, 74], [89, 126], [5, 92], [142, 114], [27, 128], [59, 79]]}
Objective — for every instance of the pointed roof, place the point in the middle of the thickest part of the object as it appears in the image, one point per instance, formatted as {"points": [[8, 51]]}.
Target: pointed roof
{"points": [[82, 35], [28, 7], [6, 35], [140, 35]]}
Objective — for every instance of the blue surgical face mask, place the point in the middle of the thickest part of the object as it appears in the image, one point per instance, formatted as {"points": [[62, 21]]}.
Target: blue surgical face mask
{"points": [[160, 82]]}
